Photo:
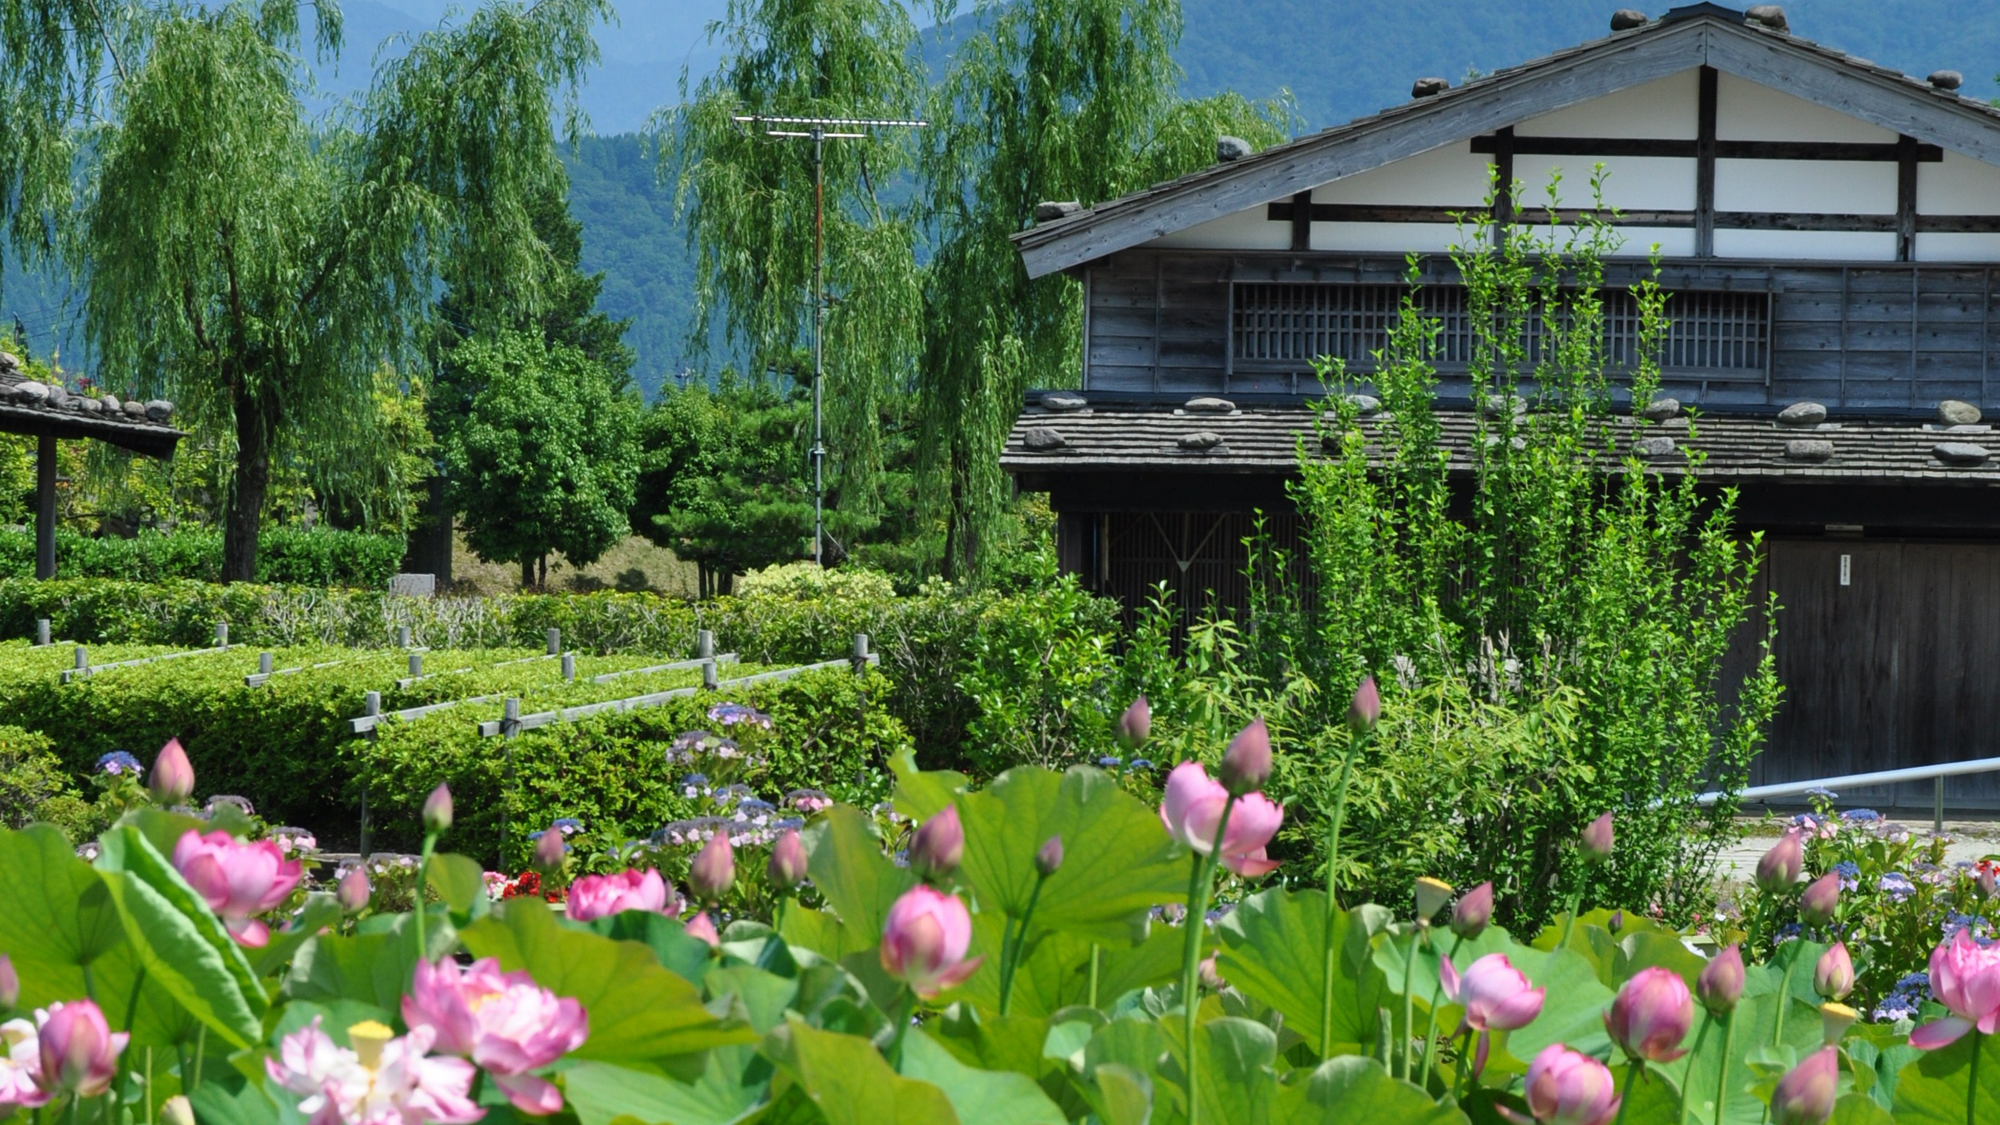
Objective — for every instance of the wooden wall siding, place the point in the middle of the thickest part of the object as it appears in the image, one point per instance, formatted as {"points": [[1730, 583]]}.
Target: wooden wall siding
{"points": [[1870, 335], [1201, 556], [1891, 670]]}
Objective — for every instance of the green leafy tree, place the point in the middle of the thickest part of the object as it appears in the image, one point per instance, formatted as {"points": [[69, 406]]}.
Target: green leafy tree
{"points": [[265, 265], [748, 199], [547, 456], [724, 484], [1046, 100]]}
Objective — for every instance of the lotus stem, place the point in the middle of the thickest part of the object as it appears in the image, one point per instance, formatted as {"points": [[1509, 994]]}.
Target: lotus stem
{"points": [[1329, 951], [1198, 891], [1430, 1039], [1722, 1076], [1010, 953]]}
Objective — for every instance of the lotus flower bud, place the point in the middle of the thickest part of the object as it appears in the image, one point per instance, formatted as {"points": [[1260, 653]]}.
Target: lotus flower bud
{"points": [[714, 869], [79, 1050], [1806, 1094], [1651, 1015], [1366, 709], [437, 810], [176, 1111], [1782, 865], [1211, 981], [1987, 882], [788, 861], [1473, 912], [10, 984], [1595, 842], [1834, 1020], [1566, 1087], [703, 927], [1833, 977], [172, 781], [1819, 900], [1136, 724], [1432, 894], [938, 846], [354, 891], [1720, 984], [550, 851], [1246, 765], [1616, 922], [925, 939], [1049, 857]]}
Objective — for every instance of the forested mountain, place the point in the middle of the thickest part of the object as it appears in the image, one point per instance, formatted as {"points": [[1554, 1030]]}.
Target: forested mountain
{"points": [[1339, 58]]}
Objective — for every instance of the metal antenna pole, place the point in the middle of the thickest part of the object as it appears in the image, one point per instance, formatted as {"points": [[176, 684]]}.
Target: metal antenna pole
{"points": [[816, 131]]}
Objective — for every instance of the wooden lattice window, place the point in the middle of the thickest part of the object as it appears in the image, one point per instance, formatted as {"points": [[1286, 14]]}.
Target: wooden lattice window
{"points": [[1285, 326]]}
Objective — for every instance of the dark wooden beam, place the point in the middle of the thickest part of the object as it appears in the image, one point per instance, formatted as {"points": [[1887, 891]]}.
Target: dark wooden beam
{"points": [[1887, 152], [1704, 167], [1503, 183], [45, 507], [1722, 220], [1302, 220], [1906, 198]]}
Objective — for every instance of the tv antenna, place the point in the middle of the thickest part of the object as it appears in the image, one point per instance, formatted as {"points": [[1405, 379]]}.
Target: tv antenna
{"points": [[820, 130]]}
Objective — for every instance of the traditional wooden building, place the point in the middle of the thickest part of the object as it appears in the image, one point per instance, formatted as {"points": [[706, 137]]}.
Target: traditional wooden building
{"points": [[1830, 230]]}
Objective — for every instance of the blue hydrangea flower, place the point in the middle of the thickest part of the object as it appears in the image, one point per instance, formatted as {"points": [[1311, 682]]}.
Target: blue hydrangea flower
{"points": [[1862, 815], [119, 762], [1896, 885], [738, 714], [1822, 793], [1142, 763], [1110, 763], [1850, 874], [568, 825]]}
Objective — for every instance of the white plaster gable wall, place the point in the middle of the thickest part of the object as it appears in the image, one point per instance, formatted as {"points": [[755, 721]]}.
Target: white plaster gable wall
{"points": [[1747, 111], [1245, 230], [1662, 109], [1809, 187], [1451, 176]]}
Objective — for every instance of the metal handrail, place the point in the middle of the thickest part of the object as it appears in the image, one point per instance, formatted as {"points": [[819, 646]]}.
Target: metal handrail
{"points": [[1935, 774]]}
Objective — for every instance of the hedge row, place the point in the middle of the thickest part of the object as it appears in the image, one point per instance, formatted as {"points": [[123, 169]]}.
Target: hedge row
{"points": [[929, 643], [321, 556]]}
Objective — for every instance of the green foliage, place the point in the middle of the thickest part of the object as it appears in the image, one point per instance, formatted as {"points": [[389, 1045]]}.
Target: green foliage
{"points": [[545, 459], [321, 556], [34, 786]]}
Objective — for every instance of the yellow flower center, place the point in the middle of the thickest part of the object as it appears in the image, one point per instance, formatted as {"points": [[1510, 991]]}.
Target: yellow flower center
{"points": [[368, 1038]]}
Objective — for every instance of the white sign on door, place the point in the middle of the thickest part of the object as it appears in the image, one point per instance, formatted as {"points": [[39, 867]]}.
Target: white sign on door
{"points": [[1846, 569]]}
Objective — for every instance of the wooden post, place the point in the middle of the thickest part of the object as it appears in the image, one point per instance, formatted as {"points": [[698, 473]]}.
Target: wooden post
{"points": [[860, 653], [1937, 804], [569, 667], [222, 634], [1704, 165], [42, 632], [264, 663], [402, 636], [371, 705], [82, 660], [45, 508], [704, 644], [416, 665], [1906, 198], [555, 641], [510, 727], [709, 680]]}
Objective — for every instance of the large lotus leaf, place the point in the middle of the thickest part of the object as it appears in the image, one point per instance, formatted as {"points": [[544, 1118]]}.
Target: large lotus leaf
{"points": [[1355, 1090], [733, 1085], [1122, 1096], [67, 940], [460, 883], [994, 1042], [233, 1103], [1150, 964], [764, 996], [922, 794], [1859, 1109], [1941, 1087], [850, 1082], [639, 1011], [1273, 951], [319, 912], [1118, 860], [668, 938], [1131, 1042], [373, 968], [980, 1096], [1053, 972], [1237, 1083], [844, 857], [179, 941]]}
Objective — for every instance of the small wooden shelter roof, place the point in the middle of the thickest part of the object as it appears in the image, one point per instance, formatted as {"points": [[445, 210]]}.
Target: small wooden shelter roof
{"points": [[1694, 35], [1163, 436], [41, 410]]}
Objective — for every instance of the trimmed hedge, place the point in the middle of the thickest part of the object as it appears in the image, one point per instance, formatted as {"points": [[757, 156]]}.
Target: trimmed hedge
{"points": [[321, 556]]}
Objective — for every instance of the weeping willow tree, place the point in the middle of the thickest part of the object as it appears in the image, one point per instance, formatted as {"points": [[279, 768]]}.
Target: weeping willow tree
{"points": [[256, 264], [1049, 100], [748, 199]]}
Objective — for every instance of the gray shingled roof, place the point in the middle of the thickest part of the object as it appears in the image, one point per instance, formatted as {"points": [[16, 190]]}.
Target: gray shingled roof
{"points": [[29, 407], [1264, 439]]}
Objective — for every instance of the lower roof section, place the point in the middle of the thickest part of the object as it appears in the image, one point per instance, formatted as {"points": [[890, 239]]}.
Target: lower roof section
{"points": [[1064, 436]]}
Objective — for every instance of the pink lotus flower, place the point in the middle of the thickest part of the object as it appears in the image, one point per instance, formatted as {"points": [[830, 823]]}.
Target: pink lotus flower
{"points": [[1833, 976], [703, 927], [601, 896], [238, 880], [1965, 976], [172, 781], [79, 1051], [1805, 1095], [1651, 1015], [21, 1066], [1192, 810], [925, 939], [381, 1081], [1566, 1087], [713, 871], [505, 1022], [1495, 994]]}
